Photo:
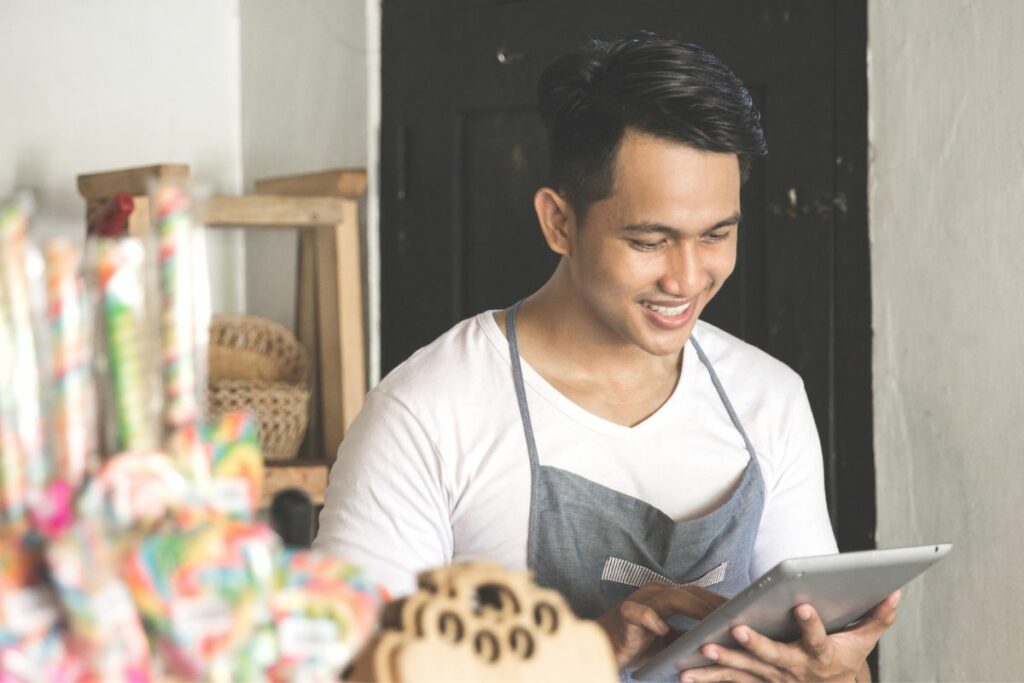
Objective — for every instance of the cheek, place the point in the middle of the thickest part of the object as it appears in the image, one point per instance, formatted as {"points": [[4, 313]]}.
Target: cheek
{"points": [[723, 266], [609, 266]]}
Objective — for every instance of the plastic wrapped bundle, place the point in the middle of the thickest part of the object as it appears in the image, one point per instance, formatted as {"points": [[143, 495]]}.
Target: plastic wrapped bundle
{"points": [[202, 585], [104, 624], [324, 611], [236, 465], [23, 463]]}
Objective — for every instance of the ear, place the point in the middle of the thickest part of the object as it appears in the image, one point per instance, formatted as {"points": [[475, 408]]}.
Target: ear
{"points": [[557, 220]]}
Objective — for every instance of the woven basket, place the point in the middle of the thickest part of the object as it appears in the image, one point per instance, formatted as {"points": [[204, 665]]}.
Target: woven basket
{"points": [[248, 347], [258, 366], [281, 411]]}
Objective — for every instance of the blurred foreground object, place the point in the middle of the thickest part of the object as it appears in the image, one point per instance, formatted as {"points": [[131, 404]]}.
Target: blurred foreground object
{"points": [[480, 622]]}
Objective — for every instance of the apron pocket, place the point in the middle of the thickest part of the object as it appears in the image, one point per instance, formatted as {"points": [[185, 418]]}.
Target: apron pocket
{"points": [[618, 570]]}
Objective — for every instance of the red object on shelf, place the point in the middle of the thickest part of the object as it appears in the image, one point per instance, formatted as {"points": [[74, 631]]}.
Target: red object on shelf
{"points": [[112, 219]]}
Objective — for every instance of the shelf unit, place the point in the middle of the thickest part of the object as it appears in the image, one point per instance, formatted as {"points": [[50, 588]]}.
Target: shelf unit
{"points": [[323, 208]]}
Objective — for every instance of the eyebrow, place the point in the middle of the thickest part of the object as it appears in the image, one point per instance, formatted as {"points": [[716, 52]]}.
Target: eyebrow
{"points": [[658, 228]]}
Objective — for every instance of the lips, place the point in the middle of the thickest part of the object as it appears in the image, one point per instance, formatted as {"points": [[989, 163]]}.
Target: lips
{"points": [[670, 311], [668, 315]]}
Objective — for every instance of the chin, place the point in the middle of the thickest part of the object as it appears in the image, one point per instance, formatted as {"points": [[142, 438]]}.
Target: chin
{"points": [[664, 344]]}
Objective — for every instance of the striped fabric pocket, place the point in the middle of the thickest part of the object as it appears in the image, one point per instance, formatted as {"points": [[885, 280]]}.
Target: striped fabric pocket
{"points": [[618, 570]]}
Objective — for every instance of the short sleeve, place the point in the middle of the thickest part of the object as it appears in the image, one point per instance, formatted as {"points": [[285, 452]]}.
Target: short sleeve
{"points": [[795, 521], [387, 507]]}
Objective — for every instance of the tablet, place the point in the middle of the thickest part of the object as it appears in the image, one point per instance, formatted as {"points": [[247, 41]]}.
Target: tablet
{"points": [[843, 588]]}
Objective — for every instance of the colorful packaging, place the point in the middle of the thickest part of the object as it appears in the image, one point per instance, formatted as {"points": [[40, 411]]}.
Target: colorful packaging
{"points": [[134, 491], [23, 462], [13, 485], [28, 608], [184, 304], [202, 588], [236, 465], [71, 420], [129, 387], [104, 624], [324, 611]]}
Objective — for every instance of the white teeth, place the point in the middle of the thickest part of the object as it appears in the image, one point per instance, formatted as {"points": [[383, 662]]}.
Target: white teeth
{"points": [[665, 310]]}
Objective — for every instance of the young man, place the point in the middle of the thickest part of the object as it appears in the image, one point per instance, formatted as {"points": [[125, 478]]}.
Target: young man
{"points": [[598, 432]]}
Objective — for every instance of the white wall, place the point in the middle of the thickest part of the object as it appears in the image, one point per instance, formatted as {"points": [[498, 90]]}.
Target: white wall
{"points": [[115, 83], [947, 200], [304, 109]]}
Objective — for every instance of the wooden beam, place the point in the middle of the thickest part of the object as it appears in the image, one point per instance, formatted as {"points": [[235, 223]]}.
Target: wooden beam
{"points": [[310, 478], [134, 181], [340, 182], [309, 336], [340, 322], [273, 211], [350, 299]]}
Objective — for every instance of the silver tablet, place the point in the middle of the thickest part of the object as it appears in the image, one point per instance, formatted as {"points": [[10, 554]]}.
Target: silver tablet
{"points": [[843, 588]]}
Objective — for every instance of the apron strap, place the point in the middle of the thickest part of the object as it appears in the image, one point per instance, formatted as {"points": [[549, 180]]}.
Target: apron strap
{"points": [[725, 399], [517, 378], [524, 408]]}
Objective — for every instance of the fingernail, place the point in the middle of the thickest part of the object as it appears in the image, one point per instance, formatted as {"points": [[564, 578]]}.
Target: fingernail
{"points": [[712, 654], [689, 679], [742, 635], [804, 612], [896, 600]]}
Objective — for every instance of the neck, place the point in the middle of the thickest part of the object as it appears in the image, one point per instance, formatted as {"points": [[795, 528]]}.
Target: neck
{"points": [[560, 326]]}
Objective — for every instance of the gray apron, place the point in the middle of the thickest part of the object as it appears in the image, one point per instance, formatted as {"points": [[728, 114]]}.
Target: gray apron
{"points": [[597, 546]]}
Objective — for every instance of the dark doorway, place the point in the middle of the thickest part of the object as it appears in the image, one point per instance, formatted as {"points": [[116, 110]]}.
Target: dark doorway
{"points": [[463, 151]]}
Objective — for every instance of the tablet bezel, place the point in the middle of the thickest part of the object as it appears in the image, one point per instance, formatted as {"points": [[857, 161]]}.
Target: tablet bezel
{"points": [[843, 588]]}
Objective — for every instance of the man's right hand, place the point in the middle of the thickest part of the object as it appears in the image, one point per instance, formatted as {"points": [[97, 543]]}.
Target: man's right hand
{"points": [[640, 619]]}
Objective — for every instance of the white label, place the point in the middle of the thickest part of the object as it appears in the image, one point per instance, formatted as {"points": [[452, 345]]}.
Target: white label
{"points": [[231, 495], [305, 638], [29, 610], [207, 616]]}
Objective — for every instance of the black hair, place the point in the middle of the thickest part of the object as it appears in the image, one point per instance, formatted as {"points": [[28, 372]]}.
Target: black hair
{"points": [[675, 90]]}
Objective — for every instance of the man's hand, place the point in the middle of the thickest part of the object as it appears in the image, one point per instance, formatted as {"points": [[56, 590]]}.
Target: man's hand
{"points": [[634, 624], [815, 657]]}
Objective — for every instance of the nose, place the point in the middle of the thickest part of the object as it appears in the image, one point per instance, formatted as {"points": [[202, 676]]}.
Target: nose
{"points": [[685, 273]]}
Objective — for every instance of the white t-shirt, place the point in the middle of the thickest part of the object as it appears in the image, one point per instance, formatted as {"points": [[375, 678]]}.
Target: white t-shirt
{"points": [[435, 469]]}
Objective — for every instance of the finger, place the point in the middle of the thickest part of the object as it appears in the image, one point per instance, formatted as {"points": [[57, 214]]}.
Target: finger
{"points": [[643, 616], [882, 617], [741, 661], [814, 637], [680, 600], [712, 598], [709, 674], [763, 648]]}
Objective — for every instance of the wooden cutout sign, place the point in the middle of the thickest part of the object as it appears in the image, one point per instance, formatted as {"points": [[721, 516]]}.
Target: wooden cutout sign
{"points": [[478, 622]]}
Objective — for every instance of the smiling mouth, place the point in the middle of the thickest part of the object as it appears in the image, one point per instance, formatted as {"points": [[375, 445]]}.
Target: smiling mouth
{"points": [[667, 311]]}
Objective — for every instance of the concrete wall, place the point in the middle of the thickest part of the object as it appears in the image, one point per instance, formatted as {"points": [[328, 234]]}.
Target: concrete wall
{"points": [[115, 83], [304, 84], [947, 197]]}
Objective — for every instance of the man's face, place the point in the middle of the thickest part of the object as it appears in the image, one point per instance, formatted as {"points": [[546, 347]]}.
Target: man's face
{"points": [[650, 257]]}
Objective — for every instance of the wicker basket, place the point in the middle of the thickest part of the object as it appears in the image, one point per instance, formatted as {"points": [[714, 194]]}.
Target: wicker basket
{"points": [[281, 411], [248, 347], [258, 366]]}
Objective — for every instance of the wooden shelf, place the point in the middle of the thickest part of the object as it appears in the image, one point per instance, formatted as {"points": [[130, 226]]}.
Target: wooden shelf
{"points": [[311, 478], [323, 208]]}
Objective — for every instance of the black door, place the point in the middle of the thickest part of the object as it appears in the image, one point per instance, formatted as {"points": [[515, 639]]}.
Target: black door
{"points": [[463, 151]]}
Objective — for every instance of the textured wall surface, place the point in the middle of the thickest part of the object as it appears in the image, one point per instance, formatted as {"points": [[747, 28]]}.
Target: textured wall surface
{"points": [[115, 83], [947, 199]]}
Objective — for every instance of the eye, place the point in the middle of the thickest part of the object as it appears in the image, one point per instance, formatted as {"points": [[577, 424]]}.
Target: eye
{"points": [[716, 236], [641, 245]]}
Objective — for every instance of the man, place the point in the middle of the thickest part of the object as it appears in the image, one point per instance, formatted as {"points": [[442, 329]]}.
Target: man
{"points": [[598, 432]]}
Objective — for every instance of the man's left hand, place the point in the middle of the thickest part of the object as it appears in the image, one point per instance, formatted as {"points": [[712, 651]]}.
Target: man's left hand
{"points": [[815, 657]]}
